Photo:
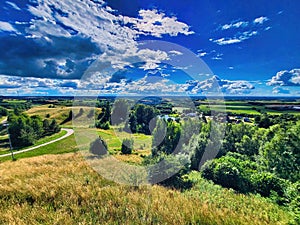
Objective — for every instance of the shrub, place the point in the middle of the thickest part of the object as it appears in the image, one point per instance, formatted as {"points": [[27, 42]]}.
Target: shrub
{"points": [[98, 147], [265, 182], [101, 125], [127, 146], [230, 172]]}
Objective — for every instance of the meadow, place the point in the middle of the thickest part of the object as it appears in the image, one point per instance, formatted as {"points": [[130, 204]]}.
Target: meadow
{"points": [[62, 189]]}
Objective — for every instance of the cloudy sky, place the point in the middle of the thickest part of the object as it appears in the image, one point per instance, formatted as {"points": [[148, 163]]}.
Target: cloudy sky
{"points": [[72, 47]]}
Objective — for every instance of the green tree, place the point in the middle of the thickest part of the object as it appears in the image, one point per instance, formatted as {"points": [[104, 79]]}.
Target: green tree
{"points": [[98, 147], [281, 155], [231, 171], [127, 146], [140, 118], [120, 111]]}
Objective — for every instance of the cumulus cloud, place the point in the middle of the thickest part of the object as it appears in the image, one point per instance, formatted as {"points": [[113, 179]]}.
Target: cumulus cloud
{"points": [[286, 78], [215, 84], [154, 82], [154, 23], [64, 37]]}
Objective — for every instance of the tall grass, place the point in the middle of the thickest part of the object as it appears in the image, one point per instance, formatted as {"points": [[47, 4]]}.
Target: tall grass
{"points": [[62, 189]]}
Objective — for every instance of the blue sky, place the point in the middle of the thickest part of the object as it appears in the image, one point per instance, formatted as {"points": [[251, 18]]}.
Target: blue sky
{"points": [[73, 47]]}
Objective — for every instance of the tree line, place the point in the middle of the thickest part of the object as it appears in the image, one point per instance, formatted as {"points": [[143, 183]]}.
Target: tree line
{"points": [[25, 131]]}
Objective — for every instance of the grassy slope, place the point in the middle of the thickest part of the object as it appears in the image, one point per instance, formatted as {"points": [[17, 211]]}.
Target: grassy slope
{"points": [[61, 189], [60, 113], [64, 146], [39, 142]]}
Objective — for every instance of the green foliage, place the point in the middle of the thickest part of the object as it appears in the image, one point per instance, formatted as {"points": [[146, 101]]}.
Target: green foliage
{"points": [[25, 130], [281, 155], [140, 117], [3, 111], [104, 116], [120, 111], [69, 118], [265, 182], [231, 171], [263, 120], [102, 125], [172, 167], [98, 147], [166, 137], [127, 146]]}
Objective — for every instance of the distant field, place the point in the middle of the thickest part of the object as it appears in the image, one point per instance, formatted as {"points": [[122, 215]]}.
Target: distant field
{"points": [[244, 108], [59, 113]]}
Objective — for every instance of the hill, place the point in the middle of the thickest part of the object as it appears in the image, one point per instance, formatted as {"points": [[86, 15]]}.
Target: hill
{"points": [[62, 189]]}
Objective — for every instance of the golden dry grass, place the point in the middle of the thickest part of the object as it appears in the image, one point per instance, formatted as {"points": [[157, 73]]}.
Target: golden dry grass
{"points": [[62, 189], [60, 113]]}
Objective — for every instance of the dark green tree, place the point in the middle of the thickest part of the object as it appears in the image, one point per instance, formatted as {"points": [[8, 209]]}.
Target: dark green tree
{"points": [[127, 146], [98, 147]]}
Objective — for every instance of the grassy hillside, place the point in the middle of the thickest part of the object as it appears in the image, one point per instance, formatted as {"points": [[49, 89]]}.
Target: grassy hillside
{"points": [[59, 113], [62, 189]]}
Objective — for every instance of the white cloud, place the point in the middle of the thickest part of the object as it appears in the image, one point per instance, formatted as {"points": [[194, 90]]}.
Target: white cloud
{"points": [[115, 35], [227, 41], [152, 83], [214, 84], [238, 37], [5, 26], [279, 90], [13, 5], [242, 37], [286, 78], [174, 52], [154, 23], [201, 53], [235, 25], [217, 57], [260, 20]]}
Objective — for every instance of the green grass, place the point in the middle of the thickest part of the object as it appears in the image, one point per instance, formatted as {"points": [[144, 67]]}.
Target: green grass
{"points": [[39, 142], [63, 146], [244, 109]]}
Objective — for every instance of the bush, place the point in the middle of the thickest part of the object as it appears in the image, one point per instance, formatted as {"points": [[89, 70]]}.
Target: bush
{"points": [[98, 147], [127, 146], [172, 167], [230, 172], [265, 182], [101, 125]]}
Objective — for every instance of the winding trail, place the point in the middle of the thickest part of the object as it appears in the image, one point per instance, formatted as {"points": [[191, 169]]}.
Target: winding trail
{"points": [[69, 132]]}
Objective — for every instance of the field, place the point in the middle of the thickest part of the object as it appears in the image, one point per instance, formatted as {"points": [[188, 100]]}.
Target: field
{"points": [[62, 189], [54, 185], [59, 113]]}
